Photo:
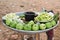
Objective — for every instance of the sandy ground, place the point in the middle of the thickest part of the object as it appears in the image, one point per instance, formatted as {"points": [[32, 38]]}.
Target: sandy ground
{"points": [[7, 6]]}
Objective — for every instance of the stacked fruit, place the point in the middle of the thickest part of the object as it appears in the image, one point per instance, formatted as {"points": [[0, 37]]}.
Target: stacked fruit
{"points": [[44, 17], [39, 23]]}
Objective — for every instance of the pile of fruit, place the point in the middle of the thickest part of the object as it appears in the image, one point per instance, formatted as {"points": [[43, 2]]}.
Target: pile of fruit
{"points": [[43, 21], [44, 17]]}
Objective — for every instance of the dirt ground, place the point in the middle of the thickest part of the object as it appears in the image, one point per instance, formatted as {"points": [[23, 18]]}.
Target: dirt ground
{"points": [[7, 6]]}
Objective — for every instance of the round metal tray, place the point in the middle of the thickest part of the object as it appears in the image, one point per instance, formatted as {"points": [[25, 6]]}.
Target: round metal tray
{"points": [[28, 32]]}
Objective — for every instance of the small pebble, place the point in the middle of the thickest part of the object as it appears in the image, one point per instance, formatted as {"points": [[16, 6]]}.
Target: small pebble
{"points": [[14, 36], [0, 30], [21, 6]]}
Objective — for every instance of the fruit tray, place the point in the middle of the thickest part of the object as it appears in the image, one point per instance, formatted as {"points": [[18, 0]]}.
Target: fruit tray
{"points": [[26, 31]]}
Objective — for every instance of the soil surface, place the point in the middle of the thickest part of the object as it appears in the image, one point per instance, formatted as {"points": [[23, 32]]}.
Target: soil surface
{"points": [[7, 6]]}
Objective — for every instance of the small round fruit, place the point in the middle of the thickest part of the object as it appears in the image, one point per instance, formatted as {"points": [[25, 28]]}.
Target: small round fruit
{"points": [[35, 27], [27, 27], [19, 26], [53, 22], [42, 26], [48, 25], [31, 22], [8, 21], [36, 18], [13, 24]]}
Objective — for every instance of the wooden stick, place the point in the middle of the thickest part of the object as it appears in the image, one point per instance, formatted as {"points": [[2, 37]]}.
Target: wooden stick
{"points": [[37, 36]]}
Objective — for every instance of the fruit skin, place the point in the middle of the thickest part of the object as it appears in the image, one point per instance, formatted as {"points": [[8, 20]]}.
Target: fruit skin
{"points": [[13, 24], [37, 18], [31, 23], [48, 25], [42, 26], [27, 27], [8, 21], [35, 27], [53, 22], [19, 26]]}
